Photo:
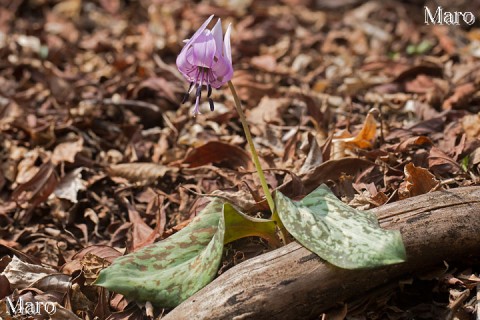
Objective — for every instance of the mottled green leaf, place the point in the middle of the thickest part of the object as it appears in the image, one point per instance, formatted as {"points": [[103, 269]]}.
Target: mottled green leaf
{"points": [[344, 236], [168, 272]]}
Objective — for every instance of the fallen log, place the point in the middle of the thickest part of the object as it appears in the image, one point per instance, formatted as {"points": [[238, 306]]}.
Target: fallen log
{"points": [[293, 283]]}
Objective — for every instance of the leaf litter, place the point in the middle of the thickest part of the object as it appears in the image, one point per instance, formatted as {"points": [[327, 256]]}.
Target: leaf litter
{"points": [[94, 146]]}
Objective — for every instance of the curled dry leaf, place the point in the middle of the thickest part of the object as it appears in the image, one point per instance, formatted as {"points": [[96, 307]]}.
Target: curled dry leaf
{"points": [[366, 137], [314, 156], [69, 185], [106, 252], [140, 230], [463, 93], [62, 313], [92, 265], [411, 142], [21, 274], [66, 151], [363, 140], [215, 152], [38, 188], [439, 161], [4, 286], [58, 282], [475, 157], [160, 86], [142, 172], [418, 181], [69, 8], [269, 110], [332, 170], [471, 125]]}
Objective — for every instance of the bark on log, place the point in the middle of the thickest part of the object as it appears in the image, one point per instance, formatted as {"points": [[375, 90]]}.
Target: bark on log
{"points": [[293, 283]]}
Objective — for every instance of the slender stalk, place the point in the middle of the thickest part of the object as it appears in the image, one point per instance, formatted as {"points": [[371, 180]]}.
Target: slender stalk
{"points": [[256, 161]]}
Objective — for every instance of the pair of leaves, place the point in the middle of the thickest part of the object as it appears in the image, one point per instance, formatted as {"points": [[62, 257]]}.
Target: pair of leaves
{"points": [[170, 271]]}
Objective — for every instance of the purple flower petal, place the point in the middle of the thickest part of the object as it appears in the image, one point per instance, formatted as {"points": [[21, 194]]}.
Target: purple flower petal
{"points": [[203, 50], [218, 35], [227, 49], [222, 72], [197, 33], [182, 62]]}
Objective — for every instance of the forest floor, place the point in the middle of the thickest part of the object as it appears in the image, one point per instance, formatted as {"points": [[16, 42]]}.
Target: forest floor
{"points": [[99, 158]]}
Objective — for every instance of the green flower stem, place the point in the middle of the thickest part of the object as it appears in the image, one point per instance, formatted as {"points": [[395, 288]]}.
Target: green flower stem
{"points": [[256, 161]]}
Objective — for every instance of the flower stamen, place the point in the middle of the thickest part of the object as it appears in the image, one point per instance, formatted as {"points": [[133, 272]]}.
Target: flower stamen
{"points": [[187, 94], [212, 106], [196, 110], [209, 90]]}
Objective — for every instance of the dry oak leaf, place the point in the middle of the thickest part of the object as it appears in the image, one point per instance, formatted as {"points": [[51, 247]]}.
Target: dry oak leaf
{"points": [[418, 181]]}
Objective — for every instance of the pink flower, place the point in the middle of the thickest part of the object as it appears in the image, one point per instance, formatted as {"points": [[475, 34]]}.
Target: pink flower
{"points": [[206, 59]]}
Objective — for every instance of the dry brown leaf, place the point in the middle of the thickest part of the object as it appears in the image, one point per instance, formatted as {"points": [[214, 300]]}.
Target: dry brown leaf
{"points": [[332, 170], [475, 157], [218, 152], [471, 125], [269, 110], [411, 142], [439, 161], [418, 181], [22, 274], [62, 313], [366, 137], [160, 223], [92, 265], [57, 282], [344, 141], [69, 8], [314, 157], [69, 185], [106, 252], [66, 151], [4, 287], [159, 86], [140, 230], [38, 188], [421, 84], [142, 172], [462, 94], [26, 168]]}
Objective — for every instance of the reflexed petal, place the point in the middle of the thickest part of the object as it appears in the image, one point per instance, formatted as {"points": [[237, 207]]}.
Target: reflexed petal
{"points": [[203, 50], [218, 35], [182, 62], [222, 72], [197, 33], [227, 49]]}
